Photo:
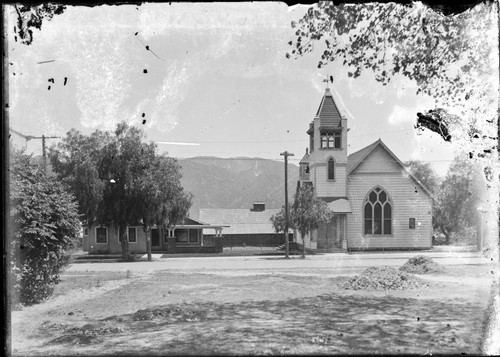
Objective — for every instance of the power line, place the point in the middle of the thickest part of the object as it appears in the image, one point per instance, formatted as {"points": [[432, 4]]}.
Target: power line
{"points": [[289, 159], [269, 141]]}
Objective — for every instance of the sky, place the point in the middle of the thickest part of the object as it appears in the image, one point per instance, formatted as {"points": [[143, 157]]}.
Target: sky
{"points": [[217, 83]]}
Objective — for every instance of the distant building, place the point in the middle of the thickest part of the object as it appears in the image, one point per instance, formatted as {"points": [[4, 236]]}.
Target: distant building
{"points": [[377, 203], [246, 226], [187, 237]]}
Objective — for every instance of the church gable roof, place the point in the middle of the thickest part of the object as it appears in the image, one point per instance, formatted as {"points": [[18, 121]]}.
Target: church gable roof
{"points": [[328, 112], [354, 160], [357, 158]]}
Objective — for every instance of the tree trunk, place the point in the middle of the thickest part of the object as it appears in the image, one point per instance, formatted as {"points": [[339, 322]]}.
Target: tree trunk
{"points": [[303, 246], [148, 241], [124, 242], [446, 233]]}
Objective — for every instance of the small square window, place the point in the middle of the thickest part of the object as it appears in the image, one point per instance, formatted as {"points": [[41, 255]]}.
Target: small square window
{"points": [[412, 223]]}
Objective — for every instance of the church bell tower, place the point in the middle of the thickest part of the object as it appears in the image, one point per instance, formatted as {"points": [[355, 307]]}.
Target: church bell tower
{"points": [[325, 162]]}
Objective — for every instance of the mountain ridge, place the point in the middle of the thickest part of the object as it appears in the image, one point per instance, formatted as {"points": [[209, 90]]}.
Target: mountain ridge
{"points": [[235, 182]]}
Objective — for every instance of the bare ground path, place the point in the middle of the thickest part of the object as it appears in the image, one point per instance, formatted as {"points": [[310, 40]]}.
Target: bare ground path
{"points": [[248, 305]]}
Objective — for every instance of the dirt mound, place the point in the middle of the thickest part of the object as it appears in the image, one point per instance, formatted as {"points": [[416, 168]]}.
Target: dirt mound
{"points": [[384, 278], [173, 314], [421, 265], [87, 334]]}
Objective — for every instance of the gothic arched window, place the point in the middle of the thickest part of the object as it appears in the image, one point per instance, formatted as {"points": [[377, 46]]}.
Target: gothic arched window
{"points": [[331, 169], [378, 212]]}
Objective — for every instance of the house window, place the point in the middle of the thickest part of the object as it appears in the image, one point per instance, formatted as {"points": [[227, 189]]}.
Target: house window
{"points": [[377, 213], [331, 139], [193, 235], [186, 236], [412, 223], [85, 231], [337, 140], [331, 169], [311, 143], [132, 234], [101, 235], [181, 235]]}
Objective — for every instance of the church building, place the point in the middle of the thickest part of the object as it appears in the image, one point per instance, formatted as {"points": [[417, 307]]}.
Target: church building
{"points": [[377, 203]]}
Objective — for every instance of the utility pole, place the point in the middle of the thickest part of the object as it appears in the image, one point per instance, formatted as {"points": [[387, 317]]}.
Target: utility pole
{"points": [[43, 137], [286, 154], [43, 149]]}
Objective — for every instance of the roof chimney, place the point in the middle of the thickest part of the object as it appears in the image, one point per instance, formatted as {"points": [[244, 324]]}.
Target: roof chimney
{"points": [[258, 207]]}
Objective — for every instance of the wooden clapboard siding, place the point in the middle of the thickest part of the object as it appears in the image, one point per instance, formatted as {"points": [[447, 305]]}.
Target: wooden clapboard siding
{"points": [[326, 188], [379, 160], [113, 246], [408, 201]]}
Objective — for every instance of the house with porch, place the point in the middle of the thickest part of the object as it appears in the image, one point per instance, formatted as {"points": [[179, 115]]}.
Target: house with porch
{"points": [[377, 203], [187, 237]]}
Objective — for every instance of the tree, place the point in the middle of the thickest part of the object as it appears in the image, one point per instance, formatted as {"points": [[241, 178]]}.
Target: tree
{"points": [[458, 197], [306, 214], [44, 224], [126, 180], [164, 201], [452, 59], [33, 16], [75, 161], [424, 173], [278, 220]]}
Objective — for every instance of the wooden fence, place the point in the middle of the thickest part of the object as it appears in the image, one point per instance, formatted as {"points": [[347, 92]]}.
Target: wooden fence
{"points": [[252, 240]]}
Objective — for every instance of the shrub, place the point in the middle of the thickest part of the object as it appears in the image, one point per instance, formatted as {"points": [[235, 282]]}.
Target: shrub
{"points": [[43, 225]]}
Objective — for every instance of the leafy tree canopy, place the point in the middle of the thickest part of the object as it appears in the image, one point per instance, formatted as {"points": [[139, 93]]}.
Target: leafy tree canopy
{"points": [[459, 197], [120, 180], [453, 59], [44, 223], [424, 172]]}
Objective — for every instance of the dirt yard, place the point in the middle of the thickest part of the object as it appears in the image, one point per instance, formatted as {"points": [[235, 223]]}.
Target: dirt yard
{"points": [[170, 312]]}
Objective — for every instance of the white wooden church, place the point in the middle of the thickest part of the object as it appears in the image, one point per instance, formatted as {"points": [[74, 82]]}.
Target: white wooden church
{"points": [[377, 203]]}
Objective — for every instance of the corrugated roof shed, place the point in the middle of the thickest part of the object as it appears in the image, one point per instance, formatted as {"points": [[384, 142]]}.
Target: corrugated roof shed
{"points": [[240, 220]]}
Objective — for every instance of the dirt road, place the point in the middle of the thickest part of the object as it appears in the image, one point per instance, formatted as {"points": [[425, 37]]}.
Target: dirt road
{"points": [[255, 305]]}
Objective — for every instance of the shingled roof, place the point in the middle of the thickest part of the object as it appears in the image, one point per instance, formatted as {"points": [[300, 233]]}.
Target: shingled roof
{"points": [[328, 112], [356, 158]]}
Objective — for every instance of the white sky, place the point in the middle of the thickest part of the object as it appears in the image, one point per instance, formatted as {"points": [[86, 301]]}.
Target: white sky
{"points": [[218, 77]]}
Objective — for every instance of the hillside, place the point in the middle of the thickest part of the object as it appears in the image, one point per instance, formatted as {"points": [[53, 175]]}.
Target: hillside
{"points": [[236, 182]]}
